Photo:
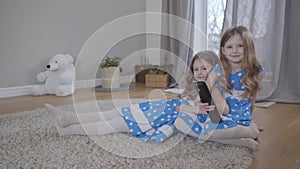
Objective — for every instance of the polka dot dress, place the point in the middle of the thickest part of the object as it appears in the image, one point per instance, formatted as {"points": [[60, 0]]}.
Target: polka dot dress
{"points": [[152, 120], [239, 107], [155, 120]]}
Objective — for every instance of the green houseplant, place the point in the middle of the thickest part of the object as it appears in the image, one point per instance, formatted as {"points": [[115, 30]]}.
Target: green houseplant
{"points": [[160, 70], [110, 62], [110, 72]]}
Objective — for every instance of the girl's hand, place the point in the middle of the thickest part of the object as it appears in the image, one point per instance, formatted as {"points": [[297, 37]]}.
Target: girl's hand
{"points": [[203, 107], [178, 108]]}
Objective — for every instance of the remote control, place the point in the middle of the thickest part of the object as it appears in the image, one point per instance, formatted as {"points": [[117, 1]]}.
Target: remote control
{"points": [[205, 96]]}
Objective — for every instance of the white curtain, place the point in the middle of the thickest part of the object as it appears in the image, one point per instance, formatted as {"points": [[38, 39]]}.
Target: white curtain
{"points": [[177, 35], [270, 22], [288, 88]]}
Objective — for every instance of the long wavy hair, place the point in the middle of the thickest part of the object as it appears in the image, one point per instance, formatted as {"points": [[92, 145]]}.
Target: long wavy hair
{"points": [[212, 58], [250, 64]]}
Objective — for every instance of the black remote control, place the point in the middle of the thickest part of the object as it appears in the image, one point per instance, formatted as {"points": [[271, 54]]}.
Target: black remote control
{"points": [[205, 96]]}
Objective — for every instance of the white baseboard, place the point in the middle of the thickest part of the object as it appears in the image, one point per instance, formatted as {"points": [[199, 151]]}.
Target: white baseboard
{"points": [[88, 83], [15, 91], [27, 90]]}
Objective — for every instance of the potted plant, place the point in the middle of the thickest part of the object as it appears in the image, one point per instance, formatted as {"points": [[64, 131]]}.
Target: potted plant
{"points": [[110, 72], [158, 76]]}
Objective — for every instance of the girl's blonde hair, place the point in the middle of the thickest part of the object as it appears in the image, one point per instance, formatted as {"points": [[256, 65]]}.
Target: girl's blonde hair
{"points": [[250, 63], [212, 58]]}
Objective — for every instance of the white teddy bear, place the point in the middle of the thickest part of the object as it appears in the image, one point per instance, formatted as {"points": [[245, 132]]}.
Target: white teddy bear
{"points": [[59, 78]]}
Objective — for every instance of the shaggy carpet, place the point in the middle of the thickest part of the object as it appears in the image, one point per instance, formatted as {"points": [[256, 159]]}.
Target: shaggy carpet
{"points": [[30, 140]]}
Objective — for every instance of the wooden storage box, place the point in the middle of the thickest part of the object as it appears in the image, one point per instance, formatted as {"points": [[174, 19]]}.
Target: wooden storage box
{"points": [[153, 80], [140, 72]]}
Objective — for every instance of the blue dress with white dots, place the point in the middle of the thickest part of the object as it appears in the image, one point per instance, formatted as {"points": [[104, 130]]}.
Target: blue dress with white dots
{"points": [[152, 120], [239, 107], [155, 120]]}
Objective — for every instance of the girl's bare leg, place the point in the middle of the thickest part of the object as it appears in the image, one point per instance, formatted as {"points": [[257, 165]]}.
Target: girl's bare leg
{"points": [[65, 119], [183, 127], [246, 142], [224, 137], [236, 132], [95, 128]]}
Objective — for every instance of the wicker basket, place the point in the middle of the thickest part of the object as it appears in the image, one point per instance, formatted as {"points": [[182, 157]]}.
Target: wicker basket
{"points": [[153, 80]]}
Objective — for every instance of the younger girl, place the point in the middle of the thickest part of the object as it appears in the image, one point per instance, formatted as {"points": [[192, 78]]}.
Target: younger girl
{"points": [[157, 120]]}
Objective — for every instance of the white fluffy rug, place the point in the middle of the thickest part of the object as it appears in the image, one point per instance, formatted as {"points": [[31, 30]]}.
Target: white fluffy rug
{"points": [[30, 140]]}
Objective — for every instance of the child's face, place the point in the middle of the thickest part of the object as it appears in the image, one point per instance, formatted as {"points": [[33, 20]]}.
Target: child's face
{"points": [[201, 68], [234, 49]]}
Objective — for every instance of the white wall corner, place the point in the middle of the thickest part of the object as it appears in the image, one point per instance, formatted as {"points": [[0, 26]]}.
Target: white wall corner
{"points": [[153, 25]]}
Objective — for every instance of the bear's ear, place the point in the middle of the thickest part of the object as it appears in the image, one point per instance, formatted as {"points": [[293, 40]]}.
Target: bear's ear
{"points": [[70, 58]]}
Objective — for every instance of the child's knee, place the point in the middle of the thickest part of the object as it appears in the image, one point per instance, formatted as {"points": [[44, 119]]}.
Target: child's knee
{"points": [[181, 126]]}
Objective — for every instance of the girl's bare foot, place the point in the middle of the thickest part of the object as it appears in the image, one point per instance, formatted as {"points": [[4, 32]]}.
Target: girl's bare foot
{"points": [[255, 130], [62, 118], [245, 142]]}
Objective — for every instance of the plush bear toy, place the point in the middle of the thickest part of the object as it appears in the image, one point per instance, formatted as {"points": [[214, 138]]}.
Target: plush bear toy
{"points": [[59, 78]]}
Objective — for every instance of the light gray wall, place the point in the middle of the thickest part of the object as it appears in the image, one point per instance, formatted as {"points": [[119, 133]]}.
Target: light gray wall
{"points": [[32, 31]]}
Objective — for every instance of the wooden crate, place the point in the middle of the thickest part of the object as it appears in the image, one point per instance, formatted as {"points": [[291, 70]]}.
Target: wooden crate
{"points": [[141, 71], [152, 80], [140, 75]]}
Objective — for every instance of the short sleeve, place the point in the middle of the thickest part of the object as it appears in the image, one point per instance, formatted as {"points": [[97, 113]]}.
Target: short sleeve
{"points": [[261, 69]]}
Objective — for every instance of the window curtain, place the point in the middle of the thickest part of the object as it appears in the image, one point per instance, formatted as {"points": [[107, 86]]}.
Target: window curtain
{"points": [[288, 88], [177, 36], [274, 24]]}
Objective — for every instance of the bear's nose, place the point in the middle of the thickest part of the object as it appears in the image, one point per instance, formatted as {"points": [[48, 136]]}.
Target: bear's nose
{"points": [[48, 66]]}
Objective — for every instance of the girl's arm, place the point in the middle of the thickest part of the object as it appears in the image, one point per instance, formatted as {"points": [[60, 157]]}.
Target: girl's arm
{"points": [[189, 109], [211, 80], [192, 108], [220, 101], [260, 76], [202, 108]]}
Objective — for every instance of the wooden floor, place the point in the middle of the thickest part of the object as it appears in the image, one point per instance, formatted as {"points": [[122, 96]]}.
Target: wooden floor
{"points": [[279, 142]]}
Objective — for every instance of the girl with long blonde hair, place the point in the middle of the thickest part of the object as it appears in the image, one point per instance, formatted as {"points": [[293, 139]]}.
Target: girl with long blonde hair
{"points": [[243, 70]]}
